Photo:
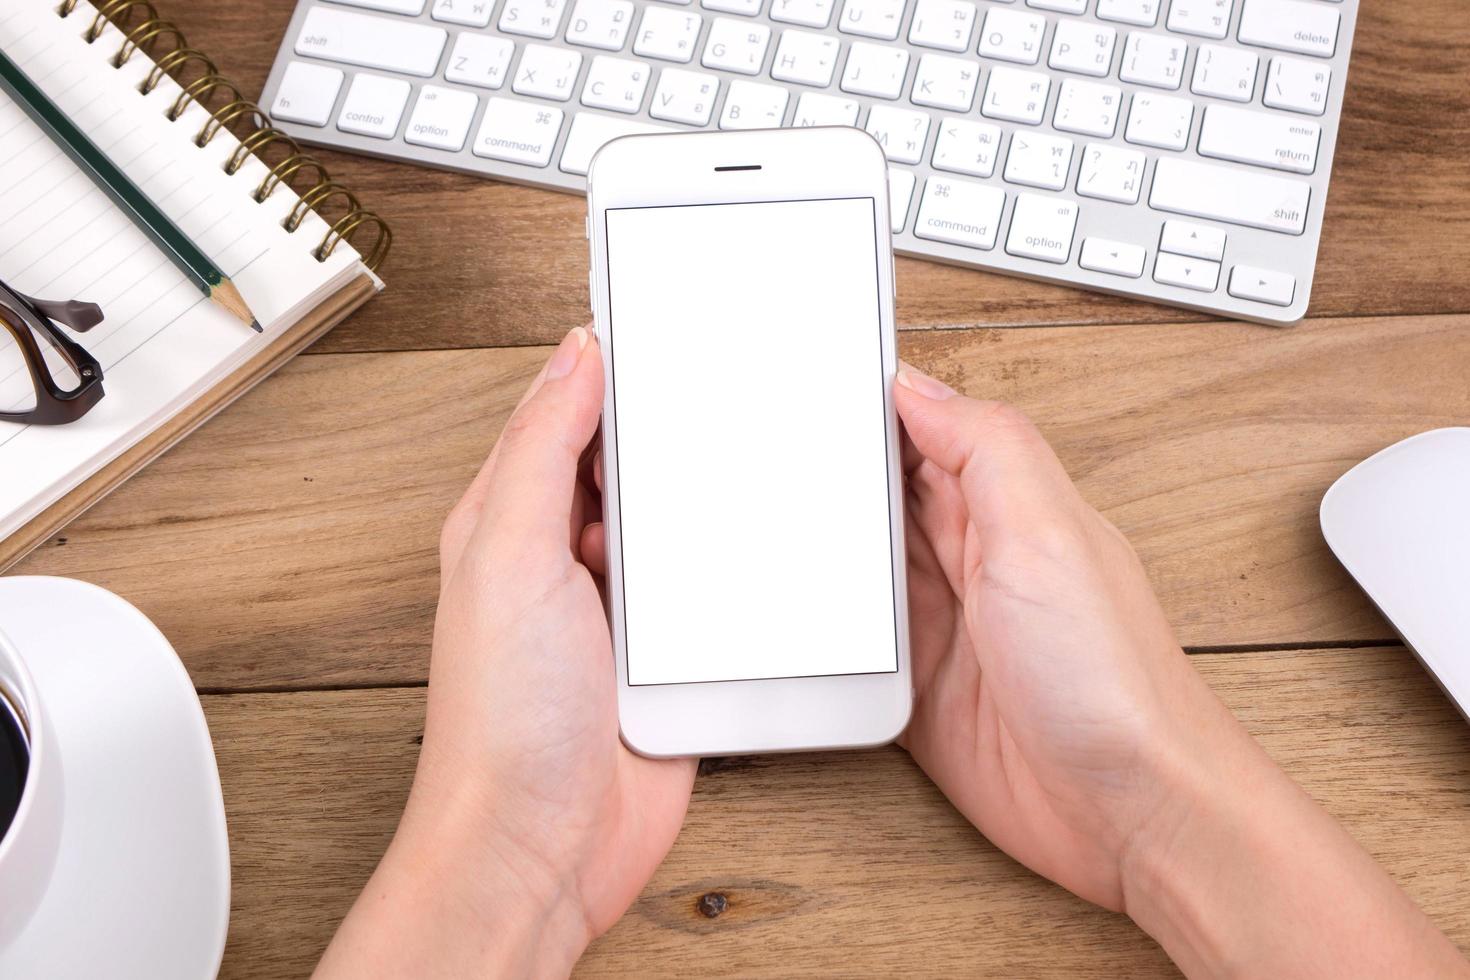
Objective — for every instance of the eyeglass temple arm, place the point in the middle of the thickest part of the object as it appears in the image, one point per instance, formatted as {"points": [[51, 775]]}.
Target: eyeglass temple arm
{"points": [[80, 316]]}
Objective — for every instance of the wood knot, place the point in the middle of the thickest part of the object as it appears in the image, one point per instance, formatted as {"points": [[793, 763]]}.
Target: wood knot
{"points": [[712, 904]]}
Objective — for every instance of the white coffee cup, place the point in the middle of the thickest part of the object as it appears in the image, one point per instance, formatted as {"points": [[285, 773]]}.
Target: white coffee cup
{"points": [[28, 850]]}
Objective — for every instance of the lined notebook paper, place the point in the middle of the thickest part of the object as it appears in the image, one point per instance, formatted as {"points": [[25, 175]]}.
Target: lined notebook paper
{"points": [[162, 345]]}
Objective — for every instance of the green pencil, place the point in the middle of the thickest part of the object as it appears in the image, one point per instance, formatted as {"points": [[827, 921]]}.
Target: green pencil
{"points": [[124, 193]]}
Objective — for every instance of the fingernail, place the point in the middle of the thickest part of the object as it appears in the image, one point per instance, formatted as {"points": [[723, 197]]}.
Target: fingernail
{"points": [[929, 387], [567, 354]]}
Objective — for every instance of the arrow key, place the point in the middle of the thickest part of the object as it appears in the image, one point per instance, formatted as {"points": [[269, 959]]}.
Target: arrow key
{"points": [[1262, 285], [1197, 241], [1180, 270], [1114, 258]]}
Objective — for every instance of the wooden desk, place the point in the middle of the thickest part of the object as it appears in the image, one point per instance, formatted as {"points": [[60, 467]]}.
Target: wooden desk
{"points": [[288, 549]]}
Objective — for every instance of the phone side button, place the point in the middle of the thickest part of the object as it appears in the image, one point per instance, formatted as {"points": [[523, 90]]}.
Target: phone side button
{"points": [[591, 297]]}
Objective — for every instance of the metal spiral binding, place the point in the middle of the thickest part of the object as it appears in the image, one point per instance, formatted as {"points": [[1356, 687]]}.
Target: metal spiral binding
{"points": [[146, 34]]}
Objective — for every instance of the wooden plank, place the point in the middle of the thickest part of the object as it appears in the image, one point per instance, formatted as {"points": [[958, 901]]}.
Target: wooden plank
{"points": [[843, 863], [293, 539], [481, 263]]}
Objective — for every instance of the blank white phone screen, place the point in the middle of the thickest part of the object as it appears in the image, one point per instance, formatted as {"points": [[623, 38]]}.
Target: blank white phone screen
{"points": [[751, 441]]}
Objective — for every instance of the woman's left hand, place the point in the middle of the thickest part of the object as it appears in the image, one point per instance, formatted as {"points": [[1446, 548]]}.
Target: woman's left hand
{"points": [[530, 827]]}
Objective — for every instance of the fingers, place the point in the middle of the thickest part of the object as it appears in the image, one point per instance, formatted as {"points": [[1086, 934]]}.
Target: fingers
{"points": [[528, 486], [1009, 475], [593, 548]]}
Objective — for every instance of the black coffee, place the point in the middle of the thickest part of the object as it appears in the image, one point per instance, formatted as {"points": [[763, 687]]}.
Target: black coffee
{"points": [[15, 759]]}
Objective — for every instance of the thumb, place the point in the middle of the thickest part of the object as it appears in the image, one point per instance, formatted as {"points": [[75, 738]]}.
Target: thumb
{"points": [[533, 469], [1010, 478]]}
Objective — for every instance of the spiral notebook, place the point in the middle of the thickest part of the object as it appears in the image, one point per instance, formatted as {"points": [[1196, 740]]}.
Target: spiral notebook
{"points": [[170, 358]]}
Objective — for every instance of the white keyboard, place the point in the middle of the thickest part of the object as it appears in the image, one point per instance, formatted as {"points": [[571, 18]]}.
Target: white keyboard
{"points": [[1172, 150]]}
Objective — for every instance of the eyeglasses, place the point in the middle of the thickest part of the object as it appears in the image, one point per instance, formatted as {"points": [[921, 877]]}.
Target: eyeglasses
{"points": [[46, 378]]}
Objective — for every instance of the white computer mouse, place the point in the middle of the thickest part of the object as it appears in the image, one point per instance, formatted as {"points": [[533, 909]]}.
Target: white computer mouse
{"points": [[1400, 524]]}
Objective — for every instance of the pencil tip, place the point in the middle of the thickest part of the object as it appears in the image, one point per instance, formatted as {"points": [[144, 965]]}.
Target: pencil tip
{"points": [[255, 325], [226, 295]]}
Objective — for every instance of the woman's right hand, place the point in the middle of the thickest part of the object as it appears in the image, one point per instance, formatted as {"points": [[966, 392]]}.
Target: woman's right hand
{"points": [[1059, 714]]}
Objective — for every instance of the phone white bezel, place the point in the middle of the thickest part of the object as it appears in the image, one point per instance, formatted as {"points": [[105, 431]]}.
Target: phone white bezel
{"points": [[746, 716]]}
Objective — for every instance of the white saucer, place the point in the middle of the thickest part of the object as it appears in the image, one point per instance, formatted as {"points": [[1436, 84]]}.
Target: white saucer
{"points": [[142, 881]]}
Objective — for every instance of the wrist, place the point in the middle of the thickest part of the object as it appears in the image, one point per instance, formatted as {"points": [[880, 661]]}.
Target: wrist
{"points": [[517, 910], [1220, 808], [456, 895], [1237, 871]]}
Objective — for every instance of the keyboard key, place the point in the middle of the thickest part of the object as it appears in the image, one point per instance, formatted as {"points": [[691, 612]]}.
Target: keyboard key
{"points": [[373, 106], [547, 72], [900, 195], [372, 42], [745, 8], [517, 132], [1160, 120], [684, 96], [532, 18], [1114, 258], [807, 13], [1300, 86], [615, 83], [967, 147], [1016, 95], [1084, 48], [816, 109], [1202, 18], [873, 69], [1153, 59], [1262, 285], [901, 132], [1111, 173], [1060, 6], [943, 82], [736, 45], [600, 23], [1042, 228], [1196, 241], [878, 19], [441, 118], [1141, 13], [307, 94], [1039, 160], [1238, 197], [960, 212], [943, 24], [480, 59], [1290, 25], [1012, 35], [1224, 73], [1262, 138], [469, 13], [411, 7], [1088, 108], [590, 131], [667, 34], [805, 58], [751, 105], [1180, 270]]}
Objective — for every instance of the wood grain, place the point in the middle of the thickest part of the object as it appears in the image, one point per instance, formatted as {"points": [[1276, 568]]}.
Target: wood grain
{"points": [[293, 540], [479, 263], [845, 863]]}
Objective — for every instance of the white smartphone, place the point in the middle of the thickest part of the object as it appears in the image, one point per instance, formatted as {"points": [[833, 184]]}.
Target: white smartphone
{"points": [[742, 290]]}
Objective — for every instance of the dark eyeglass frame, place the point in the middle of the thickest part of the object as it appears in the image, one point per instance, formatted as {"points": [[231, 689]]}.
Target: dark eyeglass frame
{"points": [[26, 319]]}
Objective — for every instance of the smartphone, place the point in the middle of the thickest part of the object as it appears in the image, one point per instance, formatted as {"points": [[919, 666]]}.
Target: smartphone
{"points": [[742, 292]]}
